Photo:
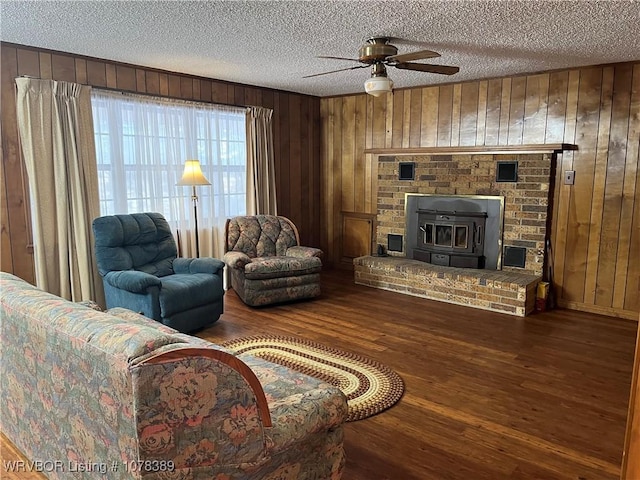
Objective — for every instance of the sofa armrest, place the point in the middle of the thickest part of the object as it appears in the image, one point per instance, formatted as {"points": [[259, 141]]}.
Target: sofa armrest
{"points": [[237, 260], [132, 280], [198, 265], [303, 252], [228, 359], [199, 407]]}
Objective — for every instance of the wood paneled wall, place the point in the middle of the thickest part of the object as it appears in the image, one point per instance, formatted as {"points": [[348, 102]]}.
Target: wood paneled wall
{"points": [[596, 222], [296, 136], [596, 228]]}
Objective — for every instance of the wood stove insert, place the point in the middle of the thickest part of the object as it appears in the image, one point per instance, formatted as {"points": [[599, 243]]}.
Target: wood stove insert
{"points": [[451, 238]]}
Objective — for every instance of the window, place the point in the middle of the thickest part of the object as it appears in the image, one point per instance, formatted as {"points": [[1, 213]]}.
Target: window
{"points": [[142, 144]]}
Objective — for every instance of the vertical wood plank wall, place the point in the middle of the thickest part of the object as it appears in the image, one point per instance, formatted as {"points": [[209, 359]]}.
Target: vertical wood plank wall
{"points": [[296, 137], [322, 170], [596, 222]]}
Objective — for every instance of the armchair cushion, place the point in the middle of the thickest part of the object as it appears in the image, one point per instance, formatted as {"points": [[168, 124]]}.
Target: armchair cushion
{"points": [[182, 292], [275, 267], [261, 235], [302, 252], [140, 241]]}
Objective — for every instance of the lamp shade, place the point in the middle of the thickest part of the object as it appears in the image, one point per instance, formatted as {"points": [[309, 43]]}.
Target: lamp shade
{"points": [[192, 174], [377, 86]]}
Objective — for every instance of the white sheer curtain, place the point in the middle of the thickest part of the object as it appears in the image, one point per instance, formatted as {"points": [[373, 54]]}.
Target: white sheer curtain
{"points": [[142, 143]]}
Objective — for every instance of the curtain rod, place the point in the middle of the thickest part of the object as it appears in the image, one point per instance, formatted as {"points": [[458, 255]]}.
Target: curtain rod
{"points": [[163, 97], [151, 95]]}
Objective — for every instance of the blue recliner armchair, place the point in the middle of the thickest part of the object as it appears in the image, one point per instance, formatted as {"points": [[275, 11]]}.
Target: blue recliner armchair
{"points": [[137, 259]]}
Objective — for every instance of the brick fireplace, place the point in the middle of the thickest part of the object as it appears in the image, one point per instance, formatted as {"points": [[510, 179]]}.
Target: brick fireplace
{"points": [[504, 285]]}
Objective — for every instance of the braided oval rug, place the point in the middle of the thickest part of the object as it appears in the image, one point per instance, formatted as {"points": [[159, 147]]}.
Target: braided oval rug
{"points": [[370, 387]]}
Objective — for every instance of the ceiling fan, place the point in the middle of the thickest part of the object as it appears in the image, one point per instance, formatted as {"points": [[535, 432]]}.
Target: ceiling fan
{"points": [[380, 54]]}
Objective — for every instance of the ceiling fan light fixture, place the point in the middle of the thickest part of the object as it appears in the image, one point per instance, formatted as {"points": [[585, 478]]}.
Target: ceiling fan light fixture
{"points": [[377, 86], [380, 54]]}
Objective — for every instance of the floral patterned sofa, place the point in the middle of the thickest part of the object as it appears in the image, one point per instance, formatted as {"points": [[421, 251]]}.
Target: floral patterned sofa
{"points": [[116, 395], [266, 262]]}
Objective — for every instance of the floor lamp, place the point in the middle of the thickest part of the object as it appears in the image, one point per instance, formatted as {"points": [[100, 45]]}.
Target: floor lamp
{"points": [[192, 177]]}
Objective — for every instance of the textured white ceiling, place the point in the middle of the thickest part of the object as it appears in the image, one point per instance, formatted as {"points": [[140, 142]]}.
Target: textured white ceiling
{"points": [[275, 43]]}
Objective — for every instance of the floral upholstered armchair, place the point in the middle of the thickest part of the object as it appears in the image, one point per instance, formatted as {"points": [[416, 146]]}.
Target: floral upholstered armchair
{"points": [[266, 262]]}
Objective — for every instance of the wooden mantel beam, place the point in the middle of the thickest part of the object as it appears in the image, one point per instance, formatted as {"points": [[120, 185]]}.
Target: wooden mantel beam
{"points": [[475, 150]]}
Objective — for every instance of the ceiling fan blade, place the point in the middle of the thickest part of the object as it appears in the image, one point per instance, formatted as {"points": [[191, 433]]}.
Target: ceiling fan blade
{"points": [[339, 58], [424, 67], [406, 57], [334, 71]]}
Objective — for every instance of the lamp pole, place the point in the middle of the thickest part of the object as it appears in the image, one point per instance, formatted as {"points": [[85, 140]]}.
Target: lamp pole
{"points": [[194, 197]]}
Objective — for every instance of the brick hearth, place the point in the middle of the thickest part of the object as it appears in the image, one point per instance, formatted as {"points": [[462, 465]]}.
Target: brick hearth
{"points": [[499, 291]]}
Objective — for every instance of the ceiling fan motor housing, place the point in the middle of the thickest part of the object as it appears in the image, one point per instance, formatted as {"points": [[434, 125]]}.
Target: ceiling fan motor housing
{"points": [[376, 50]]}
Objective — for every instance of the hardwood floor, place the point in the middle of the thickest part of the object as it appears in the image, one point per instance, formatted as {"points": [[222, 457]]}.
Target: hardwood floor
{"points": [[488, 396]]}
